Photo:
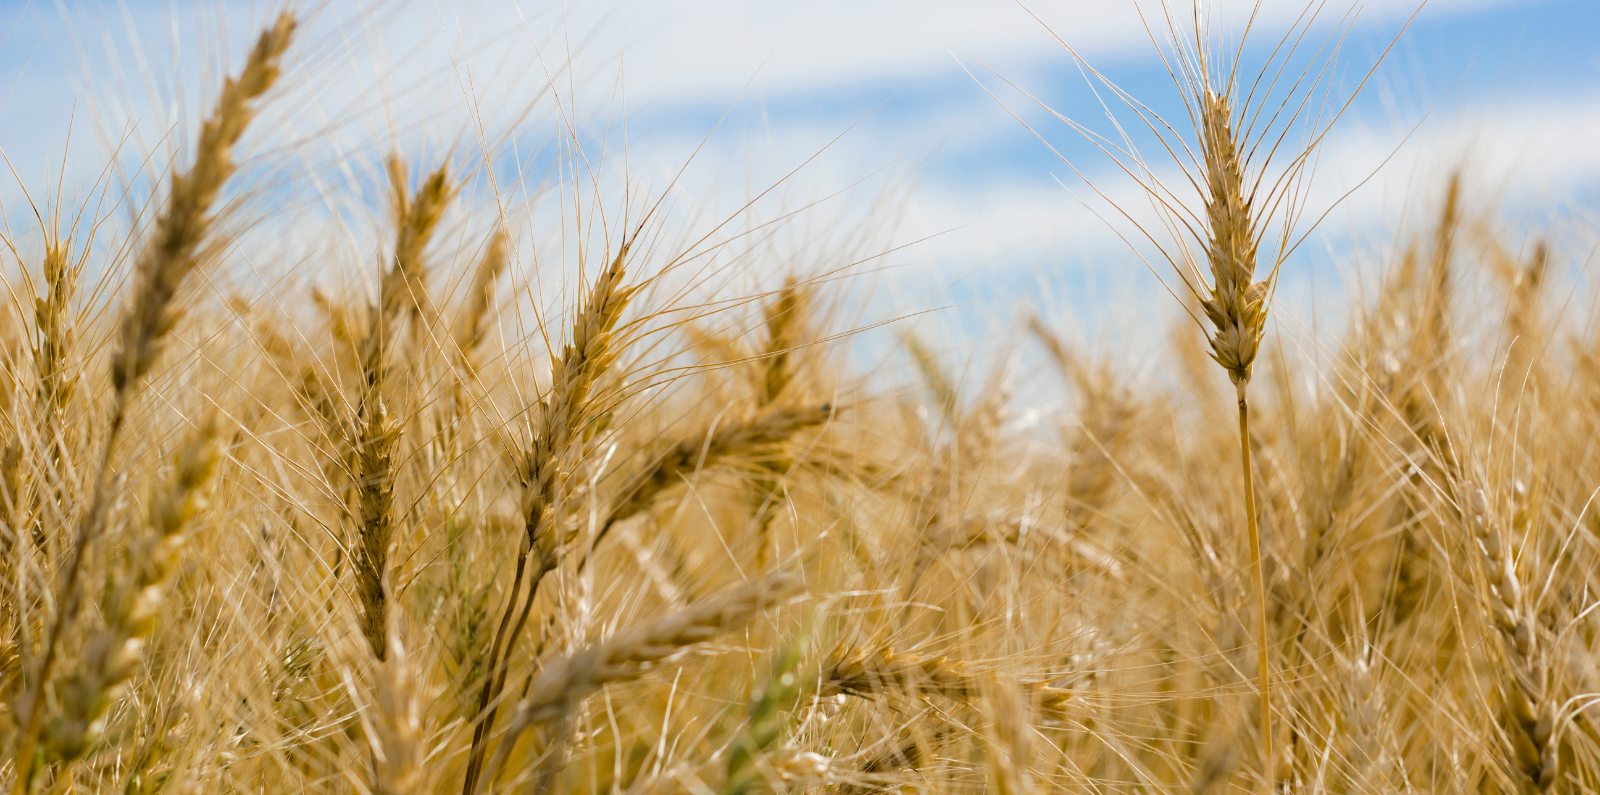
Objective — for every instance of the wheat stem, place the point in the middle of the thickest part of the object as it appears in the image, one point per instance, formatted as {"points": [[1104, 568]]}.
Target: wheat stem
{"points": [[1259, 585]]}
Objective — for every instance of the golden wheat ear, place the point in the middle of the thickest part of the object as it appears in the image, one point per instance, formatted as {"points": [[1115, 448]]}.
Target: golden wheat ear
{"points": [[563, 684], [171, 255], [473, 324], [376, 431], [1530, 714]]}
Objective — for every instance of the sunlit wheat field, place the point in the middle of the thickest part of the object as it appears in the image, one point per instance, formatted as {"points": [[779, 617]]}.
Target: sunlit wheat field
{"points": [[1127, 397]]}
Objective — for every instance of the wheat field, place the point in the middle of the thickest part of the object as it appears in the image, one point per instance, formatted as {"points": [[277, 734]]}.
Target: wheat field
{"points": [[491, 513]]}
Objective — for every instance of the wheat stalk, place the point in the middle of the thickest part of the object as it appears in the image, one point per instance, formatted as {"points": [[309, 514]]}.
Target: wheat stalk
{"points": [[542, 471], [1236, 306], [376, 433], [167, 260]]}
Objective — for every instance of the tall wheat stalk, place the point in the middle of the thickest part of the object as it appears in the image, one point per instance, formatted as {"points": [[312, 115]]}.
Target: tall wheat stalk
{"points": [[1248, 182], [1236, 307], [169, 258], [542, 470], [374, 434]]}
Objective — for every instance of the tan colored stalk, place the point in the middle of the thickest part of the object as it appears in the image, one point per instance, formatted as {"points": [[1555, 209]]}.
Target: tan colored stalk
{"points": [[563, 684], [542, 470], [377, 433], [1236, 306], [1258, 136], [167, 261]]}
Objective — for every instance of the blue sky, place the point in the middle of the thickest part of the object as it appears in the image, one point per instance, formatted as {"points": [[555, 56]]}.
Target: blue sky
{"points": [[1509, 89]]}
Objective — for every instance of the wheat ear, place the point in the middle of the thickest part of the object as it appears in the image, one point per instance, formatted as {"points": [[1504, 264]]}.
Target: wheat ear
{"points": [[53, 387], [1530, 713], [112, 654], [786, 325], [785, 322], [377, 433], [541, 472], [564, 683], [701, 452], [54, 348], [165, 264], [472, 326], [870, 671], [1523, 323], [470, 330]]}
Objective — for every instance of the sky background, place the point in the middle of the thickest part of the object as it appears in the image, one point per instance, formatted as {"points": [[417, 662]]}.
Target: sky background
{"points": [[893, 94]]}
